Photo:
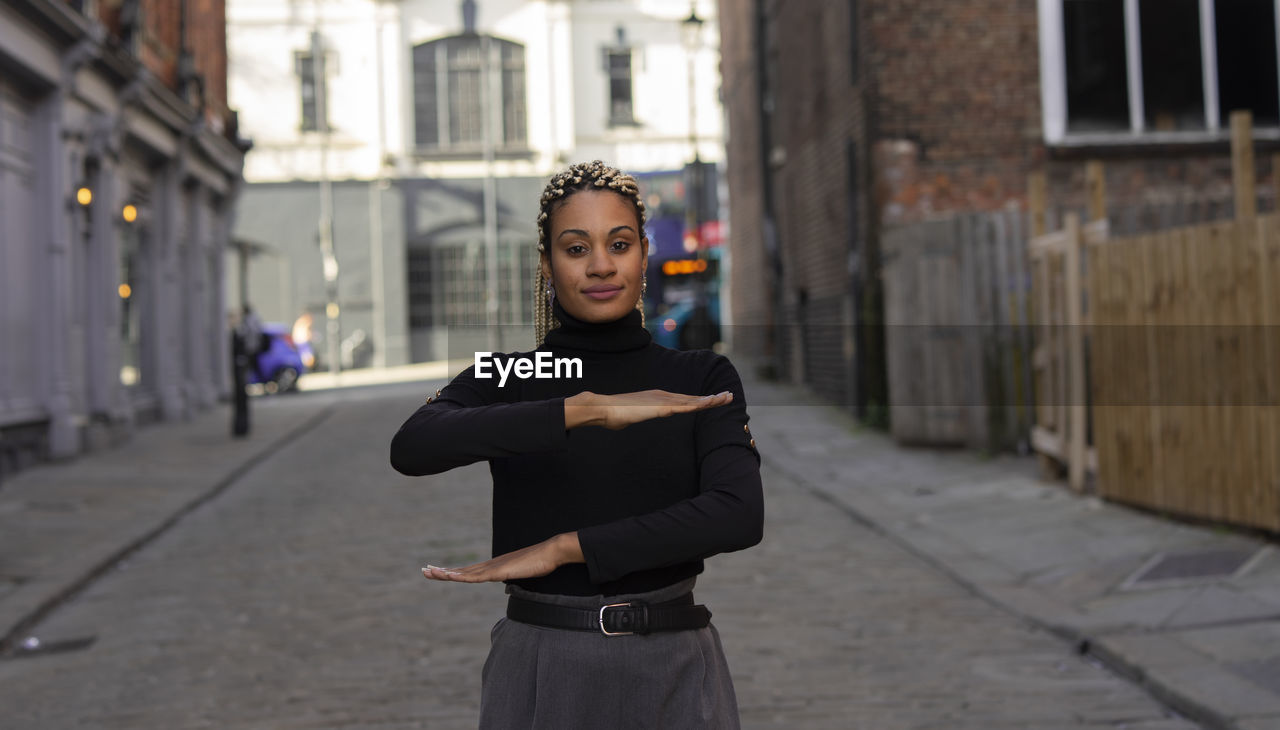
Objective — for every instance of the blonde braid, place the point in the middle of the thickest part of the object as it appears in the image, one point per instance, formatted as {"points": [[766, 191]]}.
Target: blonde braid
{"points": [[580, 176]]}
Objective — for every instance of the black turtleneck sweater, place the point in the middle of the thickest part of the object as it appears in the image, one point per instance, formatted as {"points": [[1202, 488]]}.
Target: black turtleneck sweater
{"points": [[649, 502]]}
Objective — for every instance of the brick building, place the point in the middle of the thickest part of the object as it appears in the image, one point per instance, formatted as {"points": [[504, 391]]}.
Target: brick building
{"points": [[119, 169], [850, 118]]}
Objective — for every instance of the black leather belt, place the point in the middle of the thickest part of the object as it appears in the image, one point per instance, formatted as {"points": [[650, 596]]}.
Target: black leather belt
{"points": [[613, 619]]}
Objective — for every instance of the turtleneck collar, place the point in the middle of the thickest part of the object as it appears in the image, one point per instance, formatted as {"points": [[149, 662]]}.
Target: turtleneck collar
{"points": [[619, 335]]}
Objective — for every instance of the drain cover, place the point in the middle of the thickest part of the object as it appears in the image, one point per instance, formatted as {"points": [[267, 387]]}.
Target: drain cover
{"points": [[1188, 566]]}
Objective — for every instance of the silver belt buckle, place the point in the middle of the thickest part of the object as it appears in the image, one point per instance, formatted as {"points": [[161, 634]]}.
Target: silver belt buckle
{"points": [[605, 631]]}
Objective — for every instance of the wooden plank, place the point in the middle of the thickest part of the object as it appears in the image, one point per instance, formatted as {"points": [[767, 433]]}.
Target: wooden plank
{"points": [[970, 315], [900, 315], [1041, 354], [946, 289], [1226, 505], [1047, 442], [1004, 345], [1037, 202], [1109, 287], [1171, 425], [1047, 243], [1098, 231], [977, 247], [1206, 250], [1023, 328], [1115, 450], [1268, 244], [1250, 502], [985, 334], [1139, 478], [1242, 173], [1100, 336], [1057, 351], [1148, 485], [1275, 183], [1183, 435], [1075, 350], [1238, 467], [1192, 479], [1095, 180], [1239, 440]]}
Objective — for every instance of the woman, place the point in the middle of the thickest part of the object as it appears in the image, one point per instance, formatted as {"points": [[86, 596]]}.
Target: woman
{"points": [[612, 483]]}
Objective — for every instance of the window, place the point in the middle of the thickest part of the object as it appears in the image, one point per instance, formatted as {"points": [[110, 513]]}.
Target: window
{"points": [[1246, 39], [305, 67], [618, 68], [1156, 66], [1172, 78], [448, 284], [457, 82], [616, 62], [1096, 92], [420, 288]]}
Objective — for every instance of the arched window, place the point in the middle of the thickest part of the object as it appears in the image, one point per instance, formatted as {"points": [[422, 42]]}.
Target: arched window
{"points": [[451, 97]]}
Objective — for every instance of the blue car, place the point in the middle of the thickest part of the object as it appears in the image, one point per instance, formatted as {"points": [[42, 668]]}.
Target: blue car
{"points": [[281, 361], [672, 328]]}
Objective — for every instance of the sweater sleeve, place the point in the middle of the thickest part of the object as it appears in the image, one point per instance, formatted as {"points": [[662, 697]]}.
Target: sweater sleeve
{"points": [[726, 515], [468, 422]]}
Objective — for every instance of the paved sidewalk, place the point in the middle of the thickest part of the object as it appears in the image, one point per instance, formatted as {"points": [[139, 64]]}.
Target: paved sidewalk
{"points": [[63, 524], [1191, 613]]}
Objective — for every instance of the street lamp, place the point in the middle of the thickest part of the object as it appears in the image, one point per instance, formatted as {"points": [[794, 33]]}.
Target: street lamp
{"points": [[700, 321], [691, 31]]}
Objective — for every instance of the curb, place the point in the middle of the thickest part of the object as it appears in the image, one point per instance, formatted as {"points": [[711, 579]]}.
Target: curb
{"points": [[1163, 692], [1095, 647]]}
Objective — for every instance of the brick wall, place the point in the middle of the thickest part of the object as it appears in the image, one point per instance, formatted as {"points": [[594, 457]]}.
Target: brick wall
{"points": [[941, 116], [159, 45], [821, 189], [955, 97], [956, 85], [814, 173]]}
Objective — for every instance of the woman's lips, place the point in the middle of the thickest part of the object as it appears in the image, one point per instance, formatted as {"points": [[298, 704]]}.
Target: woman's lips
{"points": [[603, 292]]}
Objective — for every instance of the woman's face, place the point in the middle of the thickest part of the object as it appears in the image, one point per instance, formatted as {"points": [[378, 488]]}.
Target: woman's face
{"points": [[595, 255]]}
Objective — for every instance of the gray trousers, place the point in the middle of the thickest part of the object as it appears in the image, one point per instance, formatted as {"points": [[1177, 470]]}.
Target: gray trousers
{"points": [[541, 678]]}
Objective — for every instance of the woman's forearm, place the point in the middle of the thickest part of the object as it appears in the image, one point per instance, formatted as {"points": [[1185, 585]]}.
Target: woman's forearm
{"points": [[568, 549], [581, 410], [443, 435]]}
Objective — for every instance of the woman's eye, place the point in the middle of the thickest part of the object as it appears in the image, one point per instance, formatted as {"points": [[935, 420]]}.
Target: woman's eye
{"points": [[576, 250], [621, 245]]}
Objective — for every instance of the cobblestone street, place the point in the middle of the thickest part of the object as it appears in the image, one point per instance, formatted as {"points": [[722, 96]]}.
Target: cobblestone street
{"points": [[293, 600]]}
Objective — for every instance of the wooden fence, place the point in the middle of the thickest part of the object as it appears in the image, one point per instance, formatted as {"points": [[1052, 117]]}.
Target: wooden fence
{"points": [[1157, 362], [957, 337]]}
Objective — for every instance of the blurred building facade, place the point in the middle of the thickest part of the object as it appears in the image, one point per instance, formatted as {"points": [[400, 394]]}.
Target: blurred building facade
{"points": [[119, 170], [436, 126], [848, 119]]}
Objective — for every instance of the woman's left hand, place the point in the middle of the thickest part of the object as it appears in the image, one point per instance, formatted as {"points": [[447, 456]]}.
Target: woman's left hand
{"points": [[531, 562]]}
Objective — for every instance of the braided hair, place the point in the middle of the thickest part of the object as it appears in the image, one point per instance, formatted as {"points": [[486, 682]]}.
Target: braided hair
{"points": [[594, 175]]}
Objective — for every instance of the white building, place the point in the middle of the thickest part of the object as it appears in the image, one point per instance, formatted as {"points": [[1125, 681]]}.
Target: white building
{"points": [[413, 88]]}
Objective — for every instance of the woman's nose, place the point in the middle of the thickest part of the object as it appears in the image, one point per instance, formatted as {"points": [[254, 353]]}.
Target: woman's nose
{"points": [[600, 263]]}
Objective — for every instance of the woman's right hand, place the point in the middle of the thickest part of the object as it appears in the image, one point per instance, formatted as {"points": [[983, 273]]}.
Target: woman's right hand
{"points": [[622, 410]]}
